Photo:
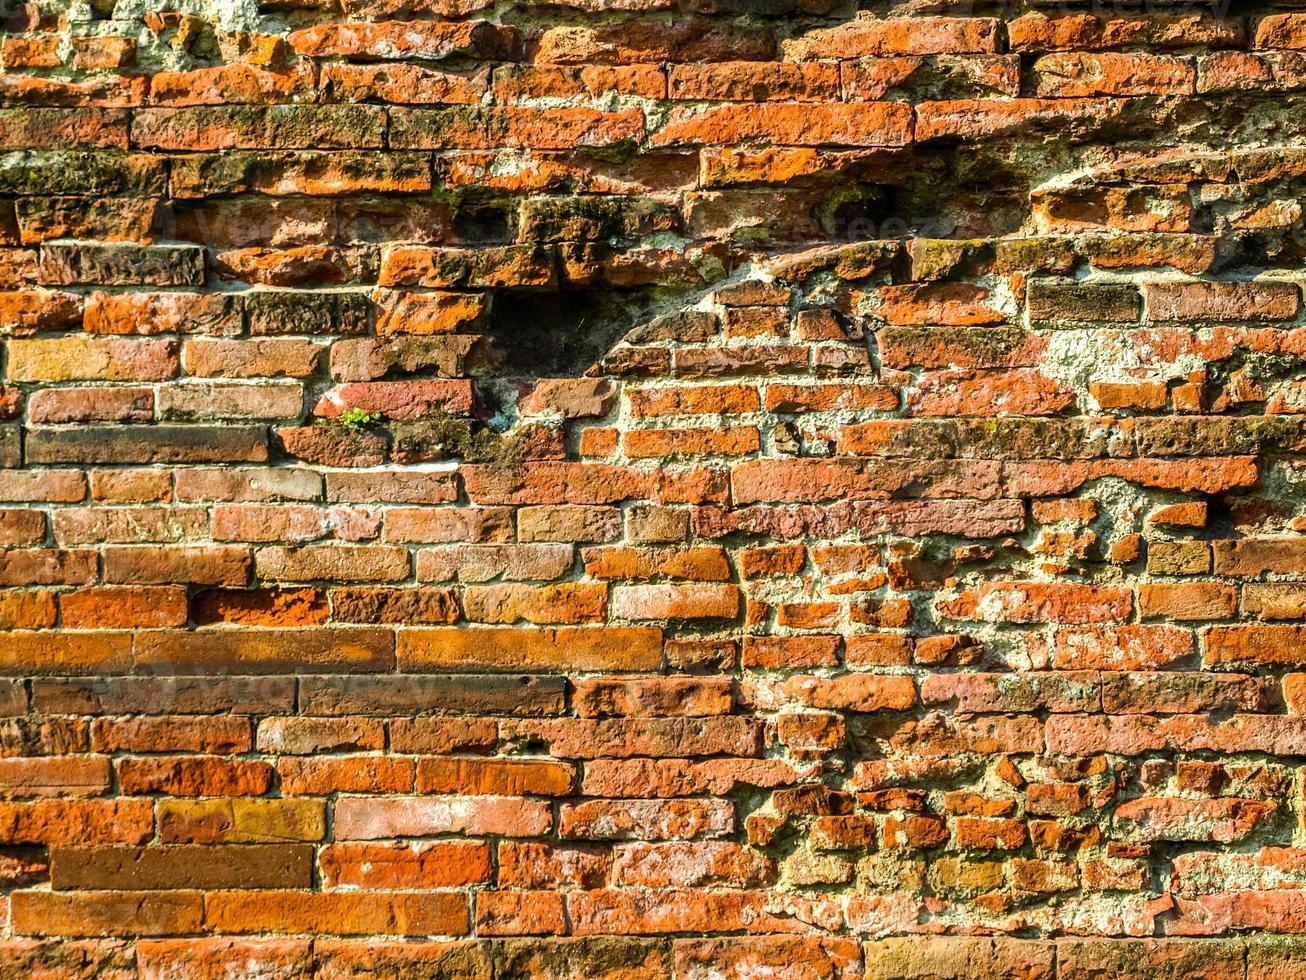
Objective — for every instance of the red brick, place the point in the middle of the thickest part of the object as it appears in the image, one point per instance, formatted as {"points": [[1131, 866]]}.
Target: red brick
{"points": [[921, 35], [959, 956], [984, 118], [644, 696], [791, 651], [205, 733], [493, 777], [48, 566], [665, 865], [646, 819], [538, 866], [340, 959], [714, 399], [22, 527], [93, 525], [68, 653], [92, 359], [64, 405], [27, 610], [566, 603], [227, 127], [151, 313], [1197, 301], [160, 958], [396, 399], [240, 821], [618, 562], [260, 607], [864, 124], [584, 648], [361, 818], [1280, 31], [744, 81], [510, 126], [182, 866], [77, 822], [683, 40], [654, 912], [1179, 819], [106, 913], [852, 692], [123, 608], [568, 523], [201, 565], [255, 358], [32, 52], [339, 913], [341, 563], [1079, 75], [398, 82], [264, 651], [1047, 32], [659, 443], [841, 478], [396, 40], [229, 83], [505, 913], [54, 776], [435, 864], [1187, 600], [194, 776], [835, 957], [1253, 645], [652, 602], [345, 774]]}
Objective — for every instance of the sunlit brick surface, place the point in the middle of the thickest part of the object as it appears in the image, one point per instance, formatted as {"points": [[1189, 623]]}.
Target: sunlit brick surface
{"points": [[635, 489]]}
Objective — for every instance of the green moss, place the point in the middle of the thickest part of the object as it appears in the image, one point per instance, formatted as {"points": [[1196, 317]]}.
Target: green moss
{"points": [[357, 419]]}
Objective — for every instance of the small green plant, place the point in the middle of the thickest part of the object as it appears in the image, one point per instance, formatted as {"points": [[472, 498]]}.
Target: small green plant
{"points": [[358, 419]]}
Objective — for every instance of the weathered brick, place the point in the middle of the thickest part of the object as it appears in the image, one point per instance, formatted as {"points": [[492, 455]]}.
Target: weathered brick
{"points": [[362, 818], [258, 651], [164, 733], [452, 694], [911, 957], [91, 359], [122, 265], [77, 822], [123, 608], [194, 776], [37, 913], [866, 124], [337, 913], [181, 866], [149, 444], [343, 563], [1218, 301], [240, 821], [256, 127], [164, 695], [435, 864], [646, 819], [508, 649]]}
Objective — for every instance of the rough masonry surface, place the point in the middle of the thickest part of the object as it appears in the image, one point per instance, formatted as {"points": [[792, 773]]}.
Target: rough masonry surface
{"points": [[652, 488]]}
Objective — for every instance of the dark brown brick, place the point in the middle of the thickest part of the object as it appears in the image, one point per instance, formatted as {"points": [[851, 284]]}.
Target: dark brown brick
{"points": [[182, 866]]}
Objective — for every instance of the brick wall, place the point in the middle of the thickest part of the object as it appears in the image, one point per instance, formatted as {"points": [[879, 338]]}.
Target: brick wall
{"points": [[630, 489]]}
